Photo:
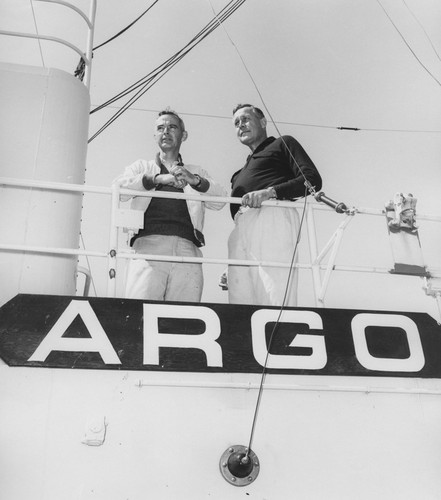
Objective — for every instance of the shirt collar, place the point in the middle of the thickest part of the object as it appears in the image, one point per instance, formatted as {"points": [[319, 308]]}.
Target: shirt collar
{"points": [[159, 162], [263, 145]]}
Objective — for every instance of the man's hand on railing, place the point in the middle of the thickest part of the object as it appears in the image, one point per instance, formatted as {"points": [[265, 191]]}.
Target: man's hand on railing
{"points": [[254, 199]]}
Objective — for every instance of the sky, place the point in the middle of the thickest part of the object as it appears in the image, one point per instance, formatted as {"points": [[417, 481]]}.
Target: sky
{"points": [[313, 66]]}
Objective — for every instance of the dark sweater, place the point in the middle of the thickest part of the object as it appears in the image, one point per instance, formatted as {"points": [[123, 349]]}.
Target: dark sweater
{"points": [[271, 165], [167, 216]]}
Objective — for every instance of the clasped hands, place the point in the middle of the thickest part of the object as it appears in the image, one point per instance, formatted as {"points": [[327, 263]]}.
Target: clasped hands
{"points": [[178, 177]]}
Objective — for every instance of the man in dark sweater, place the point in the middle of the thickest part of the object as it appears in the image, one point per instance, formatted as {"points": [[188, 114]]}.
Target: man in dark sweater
{"points": [[275, 169], [171, 226]]}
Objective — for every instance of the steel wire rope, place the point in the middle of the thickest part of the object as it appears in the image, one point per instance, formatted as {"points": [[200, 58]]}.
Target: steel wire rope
{"points": [[36, 30], [226, 12], [299, 124], [81, 67], [407, 44], [126, 28], [424, 30], [163, 69], [128, 104], [166, 66], [89, 267], [274, 330], [308, 188], [262, 99]]}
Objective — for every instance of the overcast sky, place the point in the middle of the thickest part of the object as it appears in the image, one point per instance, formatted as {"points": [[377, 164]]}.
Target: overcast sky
{"points": [[317, 65]]}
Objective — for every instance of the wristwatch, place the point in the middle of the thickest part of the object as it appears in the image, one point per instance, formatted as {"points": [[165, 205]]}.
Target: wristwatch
{"points": [[199, 181]]}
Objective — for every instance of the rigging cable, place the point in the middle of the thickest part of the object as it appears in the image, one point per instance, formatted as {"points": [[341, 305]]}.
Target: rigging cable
{"points": [[408, 45], [126, 28], [307, 183], [309, 189], [88, 265], [274, 330], [81, 67], [165, 67], [425, 32], [226, 12], [145, 83], [298, 124], [36, 29]]}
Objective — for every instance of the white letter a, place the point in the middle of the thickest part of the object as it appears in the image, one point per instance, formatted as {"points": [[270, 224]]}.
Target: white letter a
{"points": [[98, 341]]}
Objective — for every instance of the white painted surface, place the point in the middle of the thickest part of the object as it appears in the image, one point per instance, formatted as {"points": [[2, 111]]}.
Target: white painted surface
{"points": [[165, 442], [44, 137]]}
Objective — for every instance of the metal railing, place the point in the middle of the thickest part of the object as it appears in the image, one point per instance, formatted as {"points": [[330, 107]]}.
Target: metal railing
{"points": [[321, 271], [86, 55]]}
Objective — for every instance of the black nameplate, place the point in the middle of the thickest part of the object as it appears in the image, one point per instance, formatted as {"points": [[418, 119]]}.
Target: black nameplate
{"points": [[102, 333]]}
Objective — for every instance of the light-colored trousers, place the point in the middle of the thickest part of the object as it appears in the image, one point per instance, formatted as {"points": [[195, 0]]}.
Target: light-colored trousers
{"points": [[161, 280], [263, 234]]}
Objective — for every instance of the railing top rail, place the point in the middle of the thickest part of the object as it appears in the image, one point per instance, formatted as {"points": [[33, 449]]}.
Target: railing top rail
{"points": [[74, 8], [60, 186], [49, 38]]}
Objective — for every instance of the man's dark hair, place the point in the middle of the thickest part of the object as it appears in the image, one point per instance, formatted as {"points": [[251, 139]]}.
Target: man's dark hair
{"points": [[173, 113], [259, 112]]}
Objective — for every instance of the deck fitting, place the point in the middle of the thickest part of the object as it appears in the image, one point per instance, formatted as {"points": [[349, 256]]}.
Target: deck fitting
{"points": [[239, 465]]}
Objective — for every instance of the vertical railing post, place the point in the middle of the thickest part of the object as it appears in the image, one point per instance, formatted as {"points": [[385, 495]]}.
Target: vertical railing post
{"points": [[313, 252], [89, 46], [113, 242], [337, 237]]}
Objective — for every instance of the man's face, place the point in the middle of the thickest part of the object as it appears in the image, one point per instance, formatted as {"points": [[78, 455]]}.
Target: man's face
{"points": [[250, 129], [169, 133]]}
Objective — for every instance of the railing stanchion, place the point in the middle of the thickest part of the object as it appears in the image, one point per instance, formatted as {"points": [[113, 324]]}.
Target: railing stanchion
{"points": [[338, 235], [113, 242], [89, 46], [313, 252]]}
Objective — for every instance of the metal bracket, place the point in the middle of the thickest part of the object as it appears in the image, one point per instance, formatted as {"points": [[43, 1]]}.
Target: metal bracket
{"points": [[403, 236]]}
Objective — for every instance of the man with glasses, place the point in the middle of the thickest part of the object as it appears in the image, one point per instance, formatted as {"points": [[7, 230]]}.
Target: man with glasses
{"points": [[171, 226]]}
